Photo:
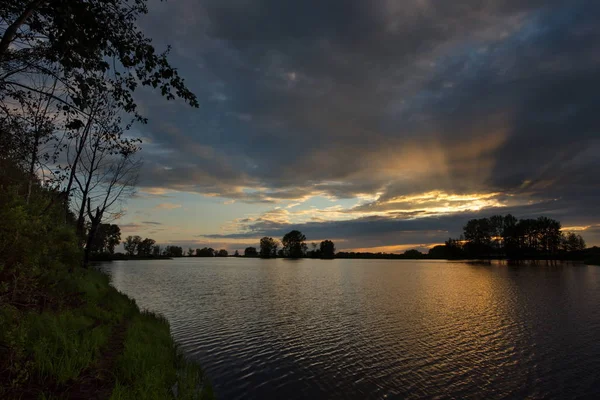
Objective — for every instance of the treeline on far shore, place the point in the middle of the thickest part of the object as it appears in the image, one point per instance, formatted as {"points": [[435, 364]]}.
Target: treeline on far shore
{"points": [[497, 237]]}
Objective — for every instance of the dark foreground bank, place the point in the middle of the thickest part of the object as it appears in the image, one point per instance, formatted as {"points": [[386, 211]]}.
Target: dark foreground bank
{"points": [[81, 338], [65, 332]]}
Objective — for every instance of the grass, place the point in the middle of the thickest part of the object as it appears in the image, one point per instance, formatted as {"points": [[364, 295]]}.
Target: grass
{"points": [[44, 353], [65, 332], [145, 368]]}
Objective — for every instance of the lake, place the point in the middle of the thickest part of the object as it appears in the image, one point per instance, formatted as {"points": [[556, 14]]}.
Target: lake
{"points": [[378, 329]]}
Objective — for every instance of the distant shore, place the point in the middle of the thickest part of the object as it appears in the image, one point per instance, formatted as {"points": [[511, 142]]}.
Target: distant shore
{"points": [[589, 259]]}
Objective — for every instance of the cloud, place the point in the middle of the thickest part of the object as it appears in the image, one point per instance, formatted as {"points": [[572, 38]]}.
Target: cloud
{"points": [[167, 206], [371, 98]]}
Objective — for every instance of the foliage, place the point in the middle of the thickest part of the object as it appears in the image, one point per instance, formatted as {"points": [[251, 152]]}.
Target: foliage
{"points": [[268, 247], [250, 252], [505, 236], [69, 73], [86, 41], [173, 251], [107, 237], [327, 249], [131, 244], [293, 244], [205, 252], [149, 343], [144, 248], [222, 253]]}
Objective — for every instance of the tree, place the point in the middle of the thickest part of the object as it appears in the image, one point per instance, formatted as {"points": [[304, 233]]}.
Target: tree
{"points": [[236, 254], [190, 252], [173, 251], [250, 252], [145, 247], [205, 252], [222, 253], [131, 244], [119, 181], [155, 250], [412, 254], [327, 249], [86, 40], [293, 244], [268, 247], [107, 237], [573, 242], [69, 70]]}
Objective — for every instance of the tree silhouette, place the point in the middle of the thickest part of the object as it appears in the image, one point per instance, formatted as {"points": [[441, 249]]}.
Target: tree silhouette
{"points": [[327, 249], [131, 244], [205, 252], [107, 238], [250, 252], [173, 251], [222, 253], [268, 247], [293, 244]]}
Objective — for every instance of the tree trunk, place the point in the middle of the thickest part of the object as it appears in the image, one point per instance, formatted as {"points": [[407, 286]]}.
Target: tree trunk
{"points": [[76, 161], [11, 31], [34, 152], [95, 220]]}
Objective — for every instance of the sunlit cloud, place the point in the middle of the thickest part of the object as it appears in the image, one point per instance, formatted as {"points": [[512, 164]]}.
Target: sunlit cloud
{"points": [[167, 206], [424, 116]]}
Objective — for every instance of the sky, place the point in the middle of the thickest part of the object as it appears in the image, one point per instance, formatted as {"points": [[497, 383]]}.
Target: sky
{"points": [[381, 125]]}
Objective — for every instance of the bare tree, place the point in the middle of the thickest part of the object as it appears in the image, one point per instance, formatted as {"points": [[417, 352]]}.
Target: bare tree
{"points": [[117, 182]]}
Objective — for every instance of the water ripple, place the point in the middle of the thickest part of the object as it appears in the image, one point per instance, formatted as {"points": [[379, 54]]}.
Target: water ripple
{"points": [[354, 329]]}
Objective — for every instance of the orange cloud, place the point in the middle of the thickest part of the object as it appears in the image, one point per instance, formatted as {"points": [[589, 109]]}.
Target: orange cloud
{"points": [[167, 206]]}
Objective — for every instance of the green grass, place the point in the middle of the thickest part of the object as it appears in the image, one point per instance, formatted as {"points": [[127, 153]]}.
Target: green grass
{"points": [[62, 326], [145, 368], [52, 348]]}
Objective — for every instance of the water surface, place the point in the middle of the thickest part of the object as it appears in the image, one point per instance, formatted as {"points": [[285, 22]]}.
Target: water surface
{"points": [[374, 329]]}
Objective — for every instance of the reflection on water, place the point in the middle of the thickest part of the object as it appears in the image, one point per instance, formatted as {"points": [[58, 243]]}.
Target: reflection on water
{"points": [[367, 329]]}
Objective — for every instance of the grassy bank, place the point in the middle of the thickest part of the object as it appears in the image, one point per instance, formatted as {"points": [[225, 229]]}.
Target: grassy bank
{"points": [[90, 341], [65, 332]]}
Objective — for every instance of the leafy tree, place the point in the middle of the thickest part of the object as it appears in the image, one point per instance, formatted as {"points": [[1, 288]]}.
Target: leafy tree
{"points": [[107, 237], [250, 252], [222, 253], [173, 251], [293, 244], [412, 254], [205, 252], [236, 254], [145, 247], [156, 250], [507, 236], [327, 249], [131, 244], [478, 233], [190, 252], [70, 70], [268, 247], [86, 40], [572, 242]]}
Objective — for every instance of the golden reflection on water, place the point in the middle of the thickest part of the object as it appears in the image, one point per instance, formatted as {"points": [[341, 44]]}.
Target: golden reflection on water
{"points": [[378, 328]]}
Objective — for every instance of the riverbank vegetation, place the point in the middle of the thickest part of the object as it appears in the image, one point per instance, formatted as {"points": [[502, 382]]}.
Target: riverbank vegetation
{"points": [[508, 237], [68, 76], [66, 332]]}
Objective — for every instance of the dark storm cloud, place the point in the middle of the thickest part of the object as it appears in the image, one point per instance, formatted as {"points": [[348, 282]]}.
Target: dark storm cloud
{"points": [[355, 97]]}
